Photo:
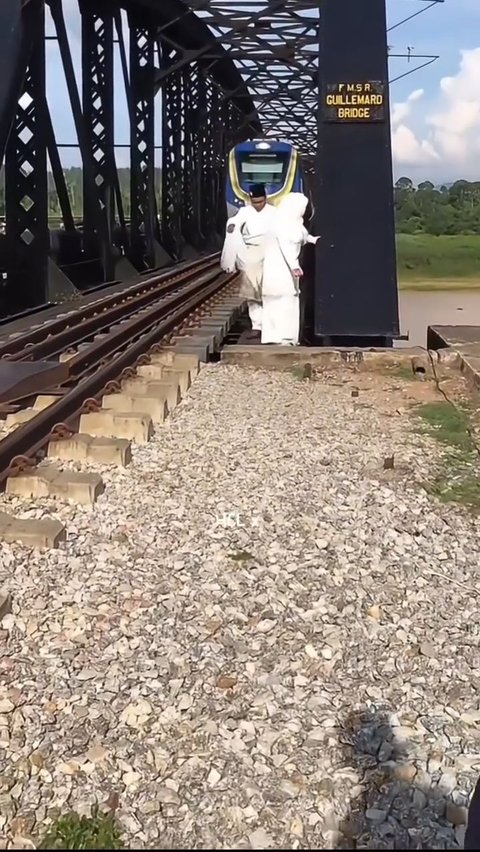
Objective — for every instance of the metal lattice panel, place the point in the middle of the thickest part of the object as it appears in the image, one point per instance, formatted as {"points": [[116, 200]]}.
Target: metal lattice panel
{"points": [[97, 60], [26, 196], [274, 44], [172, 143], [142, 142], [200, 122], [202, 108]]}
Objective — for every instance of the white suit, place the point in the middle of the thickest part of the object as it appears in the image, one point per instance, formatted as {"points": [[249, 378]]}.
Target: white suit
{"points": [[244, 249], [281, 291]]}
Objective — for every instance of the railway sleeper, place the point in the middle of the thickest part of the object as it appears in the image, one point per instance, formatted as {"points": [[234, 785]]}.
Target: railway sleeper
{"points": [[47, 532], [166, 388], [162, 372], [129, 425], [82, 447], [104, 437], [17, 418], [182, 360], [138, 403], [43, 401], [198, 347], [50, 481]]}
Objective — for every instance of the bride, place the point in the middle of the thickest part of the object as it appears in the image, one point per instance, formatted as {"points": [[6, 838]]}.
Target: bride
{"points": [[282, 272]]}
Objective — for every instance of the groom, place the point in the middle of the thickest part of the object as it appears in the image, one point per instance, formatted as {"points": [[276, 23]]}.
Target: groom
{"points": [[252, 223]]}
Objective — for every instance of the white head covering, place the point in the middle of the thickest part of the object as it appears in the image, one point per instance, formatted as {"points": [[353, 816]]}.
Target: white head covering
{"points": [[293, 206], [291, 211]]}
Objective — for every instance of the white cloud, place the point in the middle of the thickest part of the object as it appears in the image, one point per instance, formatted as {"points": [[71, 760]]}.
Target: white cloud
{"points": [[410, 151], [443, 133], [401, 111]]}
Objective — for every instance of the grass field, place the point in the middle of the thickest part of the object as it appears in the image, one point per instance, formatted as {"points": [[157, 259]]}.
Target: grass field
{"points": [[426, 262]]}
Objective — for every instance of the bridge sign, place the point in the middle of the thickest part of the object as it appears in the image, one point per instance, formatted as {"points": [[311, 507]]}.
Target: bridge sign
{"points": [[354, 101]]}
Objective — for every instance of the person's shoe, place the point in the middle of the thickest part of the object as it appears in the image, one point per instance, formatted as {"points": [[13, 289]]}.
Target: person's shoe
{"points": [[254, 334]]}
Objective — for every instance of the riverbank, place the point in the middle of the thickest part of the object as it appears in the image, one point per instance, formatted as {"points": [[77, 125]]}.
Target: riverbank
{"points": [[438, 284], [426, 262]]}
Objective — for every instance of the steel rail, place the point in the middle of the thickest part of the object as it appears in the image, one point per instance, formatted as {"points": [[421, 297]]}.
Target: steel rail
{"points": [[33, 336], [130, 330], [73, 335], [19, 449]]}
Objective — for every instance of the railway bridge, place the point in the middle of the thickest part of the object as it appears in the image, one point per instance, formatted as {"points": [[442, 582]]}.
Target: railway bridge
{"points": [[194, 77], [231, 613], [144, 100]]}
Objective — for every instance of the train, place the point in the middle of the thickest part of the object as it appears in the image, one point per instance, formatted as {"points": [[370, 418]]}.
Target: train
{"points": [[278, 165]]}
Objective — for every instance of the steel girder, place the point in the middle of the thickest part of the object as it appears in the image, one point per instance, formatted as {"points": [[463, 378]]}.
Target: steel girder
{"points": [[202, 109], [275, 46]]}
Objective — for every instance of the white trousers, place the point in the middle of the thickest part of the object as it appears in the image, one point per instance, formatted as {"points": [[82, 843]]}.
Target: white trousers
{"points": [[281, 320], [255, 312]]}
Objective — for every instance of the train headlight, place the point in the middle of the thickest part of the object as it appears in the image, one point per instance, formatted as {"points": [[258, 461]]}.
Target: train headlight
{"points": [[263, 146]]}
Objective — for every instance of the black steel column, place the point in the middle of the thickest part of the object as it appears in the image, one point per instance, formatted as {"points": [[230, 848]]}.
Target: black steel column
{"points": [[16, 33], [144, 222], [172, 159], [189, 87], [27, 237], [201, 188], [356, 298], [97, 80]]}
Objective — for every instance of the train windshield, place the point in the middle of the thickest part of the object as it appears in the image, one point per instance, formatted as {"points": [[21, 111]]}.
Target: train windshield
{"points": [[270, 169]]}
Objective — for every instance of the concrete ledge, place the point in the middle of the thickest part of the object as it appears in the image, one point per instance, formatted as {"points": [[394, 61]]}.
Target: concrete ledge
{"points": [[286, 357], [469, 366], [118, 424], [45, 533]]}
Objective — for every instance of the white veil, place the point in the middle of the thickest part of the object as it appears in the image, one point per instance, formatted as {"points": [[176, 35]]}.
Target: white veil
{"points": [[232, 246], [292, 209]]}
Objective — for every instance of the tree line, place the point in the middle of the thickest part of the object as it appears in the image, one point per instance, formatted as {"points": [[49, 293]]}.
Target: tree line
{"points": [[74, 183], [426, 209]]}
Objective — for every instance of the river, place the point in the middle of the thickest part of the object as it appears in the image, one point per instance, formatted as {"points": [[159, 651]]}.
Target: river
{"points": [[419, 309]]}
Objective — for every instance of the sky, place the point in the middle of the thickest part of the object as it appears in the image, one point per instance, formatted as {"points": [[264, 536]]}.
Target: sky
{"points": [[435, 111]]}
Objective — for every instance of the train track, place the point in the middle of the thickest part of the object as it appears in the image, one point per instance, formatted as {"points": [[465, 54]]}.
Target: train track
{"points": [[101, 345]]}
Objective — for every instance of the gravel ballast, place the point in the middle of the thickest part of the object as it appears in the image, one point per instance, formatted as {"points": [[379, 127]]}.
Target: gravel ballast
{"points": [[258, 637]]}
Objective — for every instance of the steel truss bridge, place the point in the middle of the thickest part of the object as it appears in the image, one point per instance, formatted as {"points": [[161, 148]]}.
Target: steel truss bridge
{"points": [[200, 75], [197, 76]]}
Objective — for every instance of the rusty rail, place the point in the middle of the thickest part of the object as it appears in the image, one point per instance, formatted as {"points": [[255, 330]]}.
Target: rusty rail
{"points": [[55, 335]]}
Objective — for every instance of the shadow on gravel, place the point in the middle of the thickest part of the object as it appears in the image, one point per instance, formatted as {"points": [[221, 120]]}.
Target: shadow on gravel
{"points": [[402, 806]]}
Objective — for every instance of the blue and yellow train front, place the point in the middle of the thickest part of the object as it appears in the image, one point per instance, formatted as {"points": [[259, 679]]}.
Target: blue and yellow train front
{"points": [[275, 164]]}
